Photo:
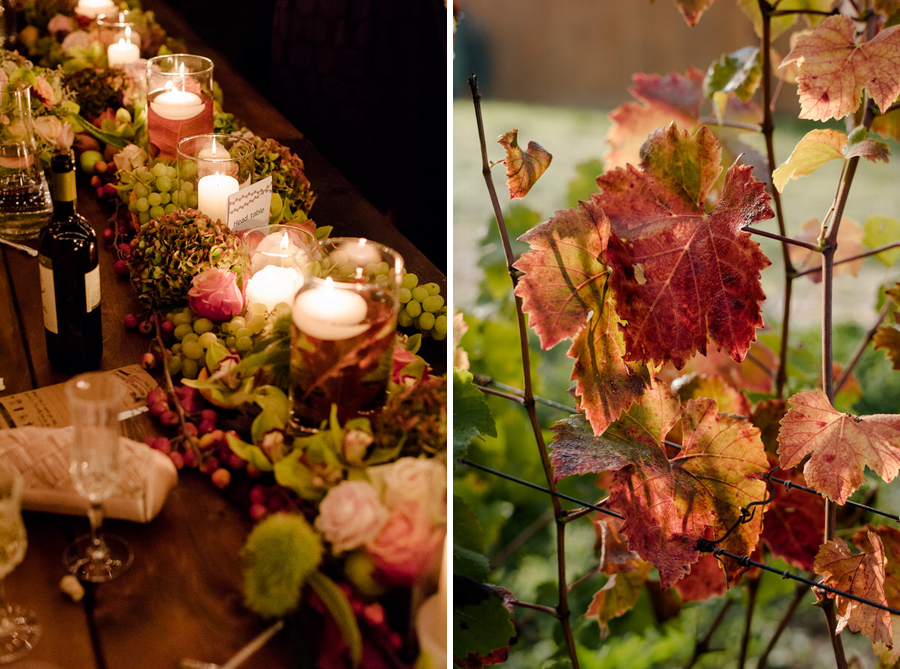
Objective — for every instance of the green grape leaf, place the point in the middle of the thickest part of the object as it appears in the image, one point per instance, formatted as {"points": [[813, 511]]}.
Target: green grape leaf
{"points": [[682, 276], [291, 472], [839, 446], [815, 149], [469, 563], [523, 168], [481, 621], [471, 415], [880, 231], [618, 596], [738, 72], [467, 532], [564, 273], [833, 69], [584, 184]]}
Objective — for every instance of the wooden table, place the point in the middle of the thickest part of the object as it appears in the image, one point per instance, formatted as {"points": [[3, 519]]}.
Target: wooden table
{"points": [[182, 596]]}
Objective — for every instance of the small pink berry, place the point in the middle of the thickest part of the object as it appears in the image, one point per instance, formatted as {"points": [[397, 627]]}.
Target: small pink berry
{"points": [[177, 459], [258, 511], [169, 418], [109, 236], [258, 494], [190, 460], [374, 614], [156, 395], [120, 267], [130, 321], [148, 361], [189, 429], [158, 408], [146, 327], [162, 444], [168, 328], [221, 478], [235, 461]]}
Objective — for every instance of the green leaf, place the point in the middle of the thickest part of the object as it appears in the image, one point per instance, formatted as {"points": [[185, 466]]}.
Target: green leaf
{"points": [[481, 622], [738, 72], [881, 231], [291, 473], [250, 453], [471, 415], [467, 531], [215, 354], [341, 611], [585, 182], [97, 133], [469, 563]]}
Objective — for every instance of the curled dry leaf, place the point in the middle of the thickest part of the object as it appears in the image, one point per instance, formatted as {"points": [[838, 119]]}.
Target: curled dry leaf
{"points": [[523, 168]]}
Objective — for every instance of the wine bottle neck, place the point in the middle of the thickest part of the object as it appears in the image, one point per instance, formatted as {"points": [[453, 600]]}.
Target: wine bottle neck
{"points": [[64, 193]]}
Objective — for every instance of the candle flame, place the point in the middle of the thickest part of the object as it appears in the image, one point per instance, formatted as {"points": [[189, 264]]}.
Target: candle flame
{"points": [[329, 284], [285, 242], [121, 17], [127, 37]]}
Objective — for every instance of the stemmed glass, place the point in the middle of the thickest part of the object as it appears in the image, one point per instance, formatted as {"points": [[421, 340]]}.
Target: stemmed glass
{"points": [[19, 630], [94, 400]]}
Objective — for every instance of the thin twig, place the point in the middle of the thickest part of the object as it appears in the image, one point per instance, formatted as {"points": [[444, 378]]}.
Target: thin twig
{"points": [[799, 594], [701, 646], [752, 589], [858, 256], [581, 580], [549, 610], [499, 393], [189, 442], [726, 123], [781, 238], [815, 12], [482, 380], [863, 345]]}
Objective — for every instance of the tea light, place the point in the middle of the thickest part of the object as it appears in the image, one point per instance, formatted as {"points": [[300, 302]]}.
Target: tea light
{"points": [[177, 105], [94, 8], [359, 252], [212, 194], [272, 285], [124, 51], [330, 314], [213, 150]]}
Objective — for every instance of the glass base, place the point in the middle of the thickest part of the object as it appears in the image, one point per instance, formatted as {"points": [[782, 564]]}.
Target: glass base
{"points": [[83, 560], [18, 634]]}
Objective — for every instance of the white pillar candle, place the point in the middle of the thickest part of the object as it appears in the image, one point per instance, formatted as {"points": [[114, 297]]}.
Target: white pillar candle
{"points": [[177, 105], [272, 285], [123, 52], [94, 8], [360, 253], [212, 195], [277, 249], [330, 314]]}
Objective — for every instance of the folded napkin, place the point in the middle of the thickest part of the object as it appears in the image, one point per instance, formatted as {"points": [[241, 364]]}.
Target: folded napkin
{"points": [[41, 454]]}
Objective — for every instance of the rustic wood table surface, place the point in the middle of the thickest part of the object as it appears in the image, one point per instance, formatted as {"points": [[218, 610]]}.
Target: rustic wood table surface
{"points": [[182, 596]]}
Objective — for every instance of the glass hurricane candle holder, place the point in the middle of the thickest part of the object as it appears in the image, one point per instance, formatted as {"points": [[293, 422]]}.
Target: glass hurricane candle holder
{"points": [[342, 342], [212, 167], [278, 255], [118, 33], [91, 9], [180, 101]]}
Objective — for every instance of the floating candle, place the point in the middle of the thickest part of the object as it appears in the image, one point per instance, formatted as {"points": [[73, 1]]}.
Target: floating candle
{"points": [[94, 8], [177, 105], [212, 195], [272, 285], [330, 313], [359, 252], [123, 52]]}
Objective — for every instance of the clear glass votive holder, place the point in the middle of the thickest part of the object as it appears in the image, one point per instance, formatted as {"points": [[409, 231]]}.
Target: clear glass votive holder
{"points": [[89, 10], [342, 339], [118, 34], [211, 167], [180, 101], [25, 202], [278, 256]]}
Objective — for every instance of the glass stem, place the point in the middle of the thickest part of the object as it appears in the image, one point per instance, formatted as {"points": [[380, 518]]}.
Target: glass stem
{"points": [[98, 546]]}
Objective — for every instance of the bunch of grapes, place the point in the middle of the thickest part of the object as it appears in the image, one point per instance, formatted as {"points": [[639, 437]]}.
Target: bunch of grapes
{"points": [[423, 307], [153, 190]]}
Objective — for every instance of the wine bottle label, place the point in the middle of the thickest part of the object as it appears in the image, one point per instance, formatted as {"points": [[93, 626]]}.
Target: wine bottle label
{"points": [[48, 294], [92, 289]]}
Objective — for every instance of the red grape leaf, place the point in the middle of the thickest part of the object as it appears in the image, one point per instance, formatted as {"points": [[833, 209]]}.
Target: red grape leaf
{"points": [[618, 596], [834, 69], [523, 168], [692, 10], [704, 581], [888, 125], [605, 385], [861, 574], [615, 556], [890, 540], [694, 386], [794, 522], [840, 446], [700, 272], [748, 375], [849, 242], [564, 276], [767, 417]]}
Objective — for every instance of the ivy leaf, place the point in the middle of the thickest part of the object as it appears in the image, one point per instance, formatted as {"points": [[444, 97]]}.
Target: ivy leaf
{"points": [[840, 446], [849, 244], [617, 596], [700, 272], [834, 69], [605, 384], [471, 415], [669, 504], [564, 274], [523, 168], [881, 231], [481, 621], [862, 575], [738, 72]]}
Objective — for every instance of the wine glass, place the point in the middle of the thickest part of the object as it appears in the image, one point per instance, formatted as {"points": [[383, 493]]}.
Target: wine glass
{"points": [[94, 400], [19, 630]]}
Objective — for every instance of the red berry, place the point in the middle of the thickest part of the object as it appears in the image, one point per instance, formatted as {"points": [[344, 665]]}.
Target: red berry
{"points": [[120, 267], [190, 460], [100, 167], [110, 191], [209, 464], [235, 461], [221, 478], [109, 236], [189, 429], [99, 192], [130, 321], [395, 640], [146, 327], [162, 445], [96, 181], [206, 426], [253, 472], [258, 511], [158, 408], [148, 361], [124, 250], [168, 328], [168, 418], [258, 494], [177, 459], [156, 395], [374, 614]]}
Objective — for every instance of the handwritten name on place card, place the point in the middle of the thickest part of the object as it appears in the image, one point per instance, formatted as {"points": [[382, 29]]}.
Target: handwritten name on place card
{"points": [[249, 207]]}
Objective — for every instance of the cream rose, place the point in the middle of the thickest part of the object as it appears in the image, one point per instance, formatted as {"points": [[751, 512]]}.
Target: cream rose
{"points": [[60, 23], [350, 515], [408, 546], [422, 480]]}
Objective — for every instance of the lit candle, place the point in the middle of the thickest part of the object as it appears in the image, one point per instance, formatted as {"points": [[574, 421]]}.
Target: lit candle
{"points": [[94, 8], [124, 51], [330, 314], [177, 105], [212, 195], [360, 253], [272, 285]]}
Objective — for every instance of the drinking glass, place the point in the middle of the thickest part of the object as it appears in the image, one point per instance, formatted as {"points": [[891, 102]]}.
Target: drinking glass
{"points": [[94, 400], [19, 630]]}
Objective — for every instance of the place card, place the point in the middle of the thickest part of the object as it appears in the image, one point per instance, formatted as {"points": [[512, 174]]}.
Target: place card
{"points": [[249, 207]]}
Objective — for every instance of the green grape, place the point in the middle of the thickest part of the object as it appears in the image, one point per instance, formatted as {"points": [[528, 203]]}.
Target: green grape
{"points": [[176, 348], [237, 323], [132, 206], [186, 187], [192, 200], [410, 281], [438, 336], [140, 190], [440, 325], [156, 212], [173, 364], [142, 204], [190, 336], [182, 330], [170, 208], [144, 217], [413, 308], [257, 308], [240, 333], [177, 196], [180, 318], [432, 288], [154, 199], [192, 350], [203, 325], [425, 320], [243, 344], [433, 303], [163, 183], [382, 268], [404, 319], [188, 169], [159, 169], [256, 324], [190, 368], [230, 341], [405, 295], [420, 293], [165, 198], [170, 316]]}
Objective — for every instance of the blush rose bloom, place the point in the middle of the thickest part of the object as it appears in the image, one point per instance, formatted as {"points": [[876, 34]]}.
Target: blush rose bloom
{"points": [[215, 295], [421, 480], [53, 131], [408, 546], [350, 515], [44, 92], [60, 24]]}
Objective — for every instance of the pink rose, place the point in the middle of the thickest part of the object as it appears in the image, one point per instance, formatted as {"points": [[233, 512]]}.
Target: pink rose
{"points": [[44, 92], [408, 545], [402, 358], [350, 515], [215, 295], [61, 24], [75, 40]]}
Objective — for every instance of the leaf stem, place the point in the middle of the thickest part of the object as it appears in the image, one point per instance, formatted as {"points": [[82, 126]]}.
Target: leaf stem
{"points": [[189, 442], [529, 403], [780, 238], [482, 380], [799, 594], [726, 123], [499, 393], [581, 580], [857, 354], [549, 610]]}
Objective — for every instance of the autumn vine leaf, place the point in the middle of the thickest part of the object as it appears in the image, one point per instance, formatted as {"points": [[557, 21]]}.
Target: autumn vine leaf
{"points": [[682, 276], [840, 446], [669, 504], [793, 523], [523, 168], [821, 146], [618, 596], [861, 574], [887, 337], [834, 69]]}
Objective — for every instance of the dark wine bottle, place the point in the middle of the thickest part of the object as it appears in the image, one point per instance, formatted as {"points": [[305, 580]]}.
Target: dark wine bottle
{"points": [[70, 278]]}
